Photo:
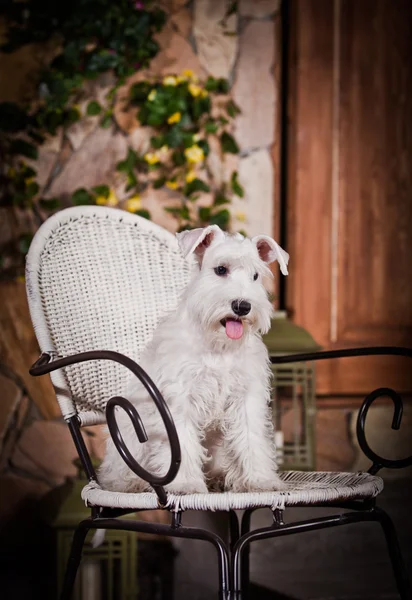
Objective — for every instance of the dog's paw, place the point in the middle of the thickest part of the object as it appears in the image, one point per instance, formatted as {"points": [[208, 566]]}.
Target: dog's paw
{"points": [[269, 485], [187, 487]]}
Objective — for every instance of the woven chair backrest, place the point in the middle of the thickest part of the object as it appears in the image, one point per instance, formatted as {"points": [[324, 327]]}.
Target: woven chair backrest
{"points": [[99, 279]]}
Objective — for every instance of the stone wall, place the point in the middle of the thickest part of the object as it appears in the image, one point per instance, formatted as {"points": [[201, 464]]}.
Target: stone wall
{"points": [[240, 48]]}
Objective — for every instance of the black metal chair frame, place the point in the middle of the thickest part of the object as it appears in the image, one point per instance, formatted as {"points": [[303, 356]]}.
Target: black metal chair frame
{"points": [[233, 558]]}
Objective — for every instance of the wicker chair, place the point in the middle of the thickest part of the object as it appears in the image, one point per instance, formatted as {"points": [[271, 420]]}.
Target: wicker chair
{"points": [[99, 278]]}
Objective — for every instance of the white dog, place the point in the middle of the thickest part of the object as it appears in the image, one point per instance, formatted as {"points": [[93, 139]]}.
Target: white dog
{"points": [[209, 362]]}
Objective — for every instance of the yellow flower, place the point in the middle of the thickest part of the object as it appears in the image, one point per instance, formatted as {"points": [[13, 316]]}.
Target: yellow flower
{"points": [[28, 180], [194, 154], [174, 118], [111, 200], [203, 94], [152, 95], [151, 158], [241, 216], [133, 204], [20, 279], [190, 75], [190, 176], [170, 80], [195, 90], [181, 79], [162, 152], [197, 137], [172, 185]]}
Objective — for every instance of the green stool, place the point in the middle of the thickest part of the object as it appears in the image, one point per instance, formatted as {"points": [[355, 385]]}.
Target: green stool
{"points": [[293, 392], [116, 557]]}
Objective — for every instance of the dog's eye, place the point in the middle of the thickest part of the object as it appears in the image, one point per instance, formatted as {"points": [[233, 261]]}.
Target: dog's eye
{"points": [[255, 276], [221, 271]]}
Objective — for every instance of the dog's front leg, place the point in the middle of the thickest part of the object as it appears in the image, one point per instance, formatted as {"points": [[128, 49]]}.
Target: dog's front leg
{"points": [[249, 444], [190, 478]]}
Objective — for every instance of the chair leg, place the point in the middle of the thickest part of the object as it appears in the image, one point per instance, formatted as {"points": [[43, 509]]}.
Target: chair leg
{"points": [[399, 569], [233, 528], [176, 530], [245, 528], [74, 560]]}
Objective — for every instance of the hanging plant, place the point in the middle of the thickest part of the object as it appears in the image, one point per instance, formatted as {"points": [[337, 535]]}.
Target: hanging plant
{"points": [[91, 38], [185, 114]]}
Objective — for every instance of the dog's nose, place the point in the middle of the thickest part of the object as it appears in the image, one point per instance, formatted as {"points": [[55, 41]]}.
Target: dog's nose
{"points": [[241, 307]]}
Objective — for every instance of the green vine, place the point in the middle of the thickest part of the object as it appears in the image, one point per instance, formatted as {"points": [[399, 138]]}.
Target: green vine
{"points": [[95, 38], [181, 112]]}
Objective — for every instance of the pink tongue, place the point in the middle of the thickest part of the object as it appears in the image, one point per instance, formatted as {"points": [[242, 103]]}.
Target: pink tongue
{"points": [[234, 329]]}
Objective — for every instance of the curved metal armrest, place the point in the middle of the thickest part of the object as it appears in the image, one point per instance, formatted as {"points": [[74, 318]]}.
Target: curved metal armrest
{"points": [[43, 366], [378, 461]]}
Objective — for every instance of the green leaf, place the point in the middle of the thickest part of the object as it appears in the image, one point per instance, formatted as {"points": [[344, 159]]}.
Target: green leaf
{"points": [[197, 185], [106, 121], [131, 181], [72, 115], [201, 106], [178, 158], [228, 143], [50, 203], [155, 119], [222, 86], [221, 218], [211, 127], [232, 8], [24, 242], [220, 199], [236, 187], [173, 210], [129, 163], [158, 141], [211, 84], [139, 92], [101, 190], [32, 189], [204, 213], [93, 108], [181, 212], [159, 182], [232, 109], [81, 196], [28, 172], [205, 146], [19, 146], [174, 137], [143, 213]]}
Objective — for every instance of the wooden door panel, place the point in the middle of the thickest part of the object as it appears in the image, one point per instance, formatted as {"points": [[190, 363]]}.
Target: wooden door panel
{"points": [[375, 159], [350, 184]]}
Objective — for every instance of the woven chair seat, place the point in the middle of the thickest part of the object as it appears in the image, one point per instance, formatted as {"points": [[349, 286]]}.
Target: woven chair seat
{"points": [[312, 488]]}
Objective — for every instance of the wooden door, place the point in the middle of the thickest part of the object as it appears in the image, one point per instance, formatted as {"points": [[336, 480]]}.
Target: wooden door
{"points": [[349, 184]]}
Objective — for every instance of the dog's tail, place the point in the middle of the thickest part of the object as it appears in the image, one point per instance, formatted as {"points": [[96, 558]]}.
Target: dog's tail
{"points": [[98, 538]]}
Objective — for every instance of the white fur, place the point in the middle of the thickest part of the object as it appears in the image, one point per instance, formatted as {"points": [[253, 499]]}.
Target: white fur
{"points": [[217, 388]]}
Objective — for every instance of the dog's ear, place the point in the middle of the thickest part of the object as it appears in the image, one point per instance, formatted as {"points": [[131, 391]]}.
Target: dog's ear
{"points": [[269, 250], [197, 241]]}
